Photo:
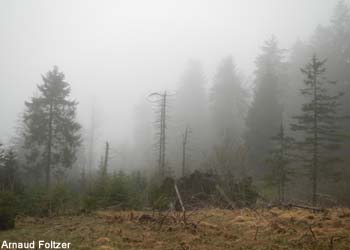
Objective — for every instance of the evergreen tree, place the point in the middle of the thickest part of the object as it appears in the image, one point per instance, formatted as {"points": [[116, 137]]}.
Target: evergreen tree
{"points": [[190, 111], [2, 154], [9, 170], [265, 112], [340, 29], [228, 103], [339, 70], [318, 122], [190, 105], [51, 131], [332, 42], [279, 161], [2, 166], [299, 54], [228, 106]]}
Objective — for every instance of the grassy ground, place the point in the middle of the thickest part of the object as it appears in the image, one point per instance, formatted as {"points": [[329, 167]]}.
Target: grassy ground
{"points": [[205, 229]]}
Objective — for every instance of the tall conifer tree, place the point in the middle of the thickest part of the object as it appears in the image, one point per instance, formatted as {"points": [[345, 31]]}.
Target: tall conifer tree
{"points": [[228, 103], [319, 123], [279, 162], [265, 113], [51, 130]]}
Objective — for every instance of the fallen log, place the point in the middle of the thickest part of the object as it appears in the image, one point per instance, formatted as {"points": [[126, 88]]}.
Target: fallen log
{"points": [[291, 205], [315, 209]]}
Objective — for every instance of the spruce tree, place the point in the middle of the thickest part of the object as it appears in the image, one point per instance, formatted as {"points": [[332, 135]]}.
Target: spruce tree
{"points": [[2, 154], [189, 110], [190, 103], [9, 170], [2, 167], [279, 162], [51, 130], [228, 103], [332, 42], [338, 66], [319, 123], [228, 109], [265, 113]]}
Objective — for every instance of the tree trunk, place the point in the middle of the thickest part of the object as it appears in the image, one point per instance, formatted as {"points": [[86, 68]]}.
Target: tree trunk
{"points": [[282, 174], [184, 143], [105, 164], [49, 145], [315, 148]]}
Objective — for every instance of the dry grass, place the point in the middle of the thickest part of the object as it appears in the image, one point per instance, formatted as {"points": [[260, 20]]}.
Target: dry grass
{"points": [[206, 229]]}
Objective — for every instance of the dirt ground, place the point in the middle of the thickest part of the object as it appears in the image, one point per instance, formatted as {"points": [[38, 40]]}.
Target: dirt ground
{"points": [[204, 229]]}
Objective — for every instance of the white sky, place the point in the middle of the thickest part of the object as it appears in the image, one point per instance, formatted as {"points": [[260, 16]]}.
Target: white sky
{"points": [[118, 51]]}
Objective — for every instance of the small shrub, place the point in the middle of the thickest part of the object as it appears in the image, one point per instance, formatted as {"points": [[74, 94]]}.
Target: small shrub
{"points": [[61, 199], [90, 203], [7, 210], [34, 202], [161, 196]]}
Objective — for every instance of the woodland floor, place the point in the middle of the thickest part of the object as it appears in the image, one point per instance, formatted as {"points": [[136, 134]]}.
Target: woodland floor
{"points": [[204, 229]]}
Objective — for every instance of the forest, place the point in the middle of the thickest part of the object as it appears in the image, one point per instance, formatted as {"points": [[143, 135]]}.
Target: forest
{"points": [[228, 160]]}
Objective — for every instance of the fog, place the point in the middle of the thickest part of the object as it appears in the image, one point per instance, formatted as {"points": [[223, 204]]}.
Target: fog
{"points": [[114, 53], [131, 104]]}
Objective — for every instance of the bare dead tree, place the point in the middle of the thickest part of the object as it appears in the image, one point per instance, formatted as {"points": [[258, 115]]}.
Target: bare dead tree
{"points": [[162, 135], [103, 166], [105, 161], [185, 138], [161, 102], [83, 179], [91, 144]]}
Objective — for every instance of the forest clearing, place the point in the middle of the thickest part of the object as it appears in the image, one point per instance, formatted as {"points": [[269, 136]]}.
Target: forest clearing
{"points": [[204, 229], [175, 125]]}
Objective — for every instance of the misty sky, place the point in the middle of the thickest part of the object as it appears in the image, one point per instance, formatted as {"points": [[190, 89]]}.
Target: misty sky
{"points": [[116, 52]]}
